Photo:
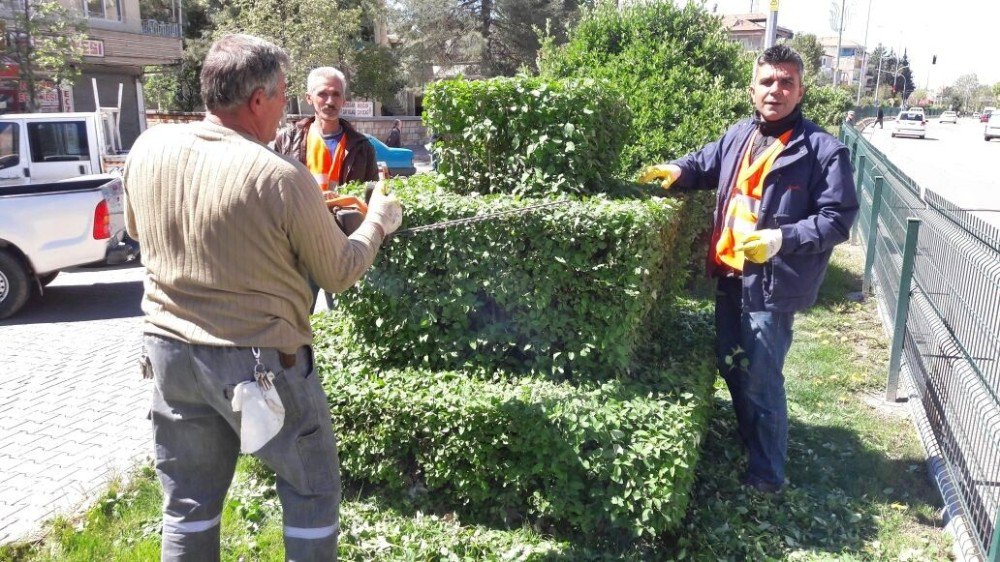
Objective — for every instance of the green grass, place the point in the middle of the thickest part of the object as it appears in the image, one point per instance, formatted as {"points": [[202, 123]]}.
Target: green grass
{"points": [[859, 487]]}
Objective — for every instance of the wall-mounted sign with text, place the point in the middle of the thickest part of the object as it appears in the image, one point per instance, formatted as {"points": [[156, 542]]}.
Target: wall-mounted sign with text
{"points": [[93, 48], [358, 109]]}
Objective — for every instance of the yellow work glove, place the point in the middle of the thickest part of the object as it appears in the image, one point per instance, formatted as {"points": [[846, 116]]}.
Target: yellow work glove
{"points": [[760, 246], [668, 173]]}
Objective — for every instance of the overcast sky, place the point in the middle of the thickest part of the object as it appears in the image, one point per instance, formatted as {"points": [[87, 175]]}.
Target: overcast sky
{"points": [[962, 33]]}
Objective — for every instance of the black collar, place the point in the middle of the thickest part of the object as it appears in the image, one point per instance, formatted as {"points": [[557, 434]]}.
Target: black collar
{"points": [[776, 128]]}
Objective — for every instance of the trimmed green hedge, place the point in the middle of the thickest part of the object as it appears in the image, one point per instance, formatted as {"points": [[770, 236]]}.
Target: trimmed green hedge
{"points": [[564, 292], [525, 135], [604, 460], [675, 67]]}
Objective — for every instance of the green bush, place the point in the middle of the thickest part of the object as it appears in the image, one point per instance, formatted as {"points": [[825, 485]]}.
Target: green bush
{"points": [[825, 105], [604, 460], [682, 78], [525, 135], [564, 292]]}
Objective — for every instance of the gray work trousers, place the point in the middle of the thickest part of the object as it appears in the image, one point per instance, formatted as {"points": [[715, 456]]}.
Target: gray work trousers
{"points": [[197, 441]]}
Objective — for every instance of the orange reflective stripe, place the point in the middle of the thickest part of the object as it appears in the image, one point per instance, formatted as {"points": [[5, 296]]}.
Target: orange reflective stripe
{"points": [[338, 160], [744, 200], [325, 167]]}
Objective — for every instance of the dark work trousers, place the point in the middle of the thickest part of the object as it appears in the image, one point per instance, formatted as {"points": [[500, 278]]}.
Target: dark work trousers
{"points": [[197, 442], [750, 350]]}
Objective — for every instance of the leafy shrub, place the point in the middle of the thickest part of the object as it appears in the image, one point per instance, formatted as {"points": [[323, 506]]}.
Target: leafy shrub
{"points": [[826, 105], [564, 292], [608, 459], [525, 135], [682, 78]]}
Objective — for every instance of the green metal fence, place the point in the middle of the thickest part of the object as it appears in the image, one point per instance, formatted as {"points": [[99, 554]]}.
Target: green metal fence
{"points": [[936, 270]]}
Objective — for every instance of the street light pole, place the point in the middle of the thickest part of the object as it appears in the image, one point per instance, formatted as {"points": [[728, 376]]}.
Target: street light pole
{"points": [[840, 36], [864, 57], [878, 73], [895, 78]]}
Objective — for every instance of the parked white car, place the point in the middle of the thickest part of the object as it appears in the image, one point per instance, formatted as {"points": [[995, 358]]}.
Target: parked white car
{"points": [[45, 227], [910, 124], [948, 117], [992, 130]]}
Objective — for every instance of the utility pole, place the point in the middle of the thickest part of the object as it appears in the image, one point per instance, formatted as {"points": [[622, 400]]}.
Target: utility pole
{"points": [[927, 84], [878, 73], [840, 36], [771, 32], [862, 77]]}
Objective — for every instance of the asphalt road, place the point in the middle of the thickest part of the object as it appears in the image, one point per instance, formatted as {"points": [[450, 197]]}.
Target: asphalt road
{"points": [[953, 161]]}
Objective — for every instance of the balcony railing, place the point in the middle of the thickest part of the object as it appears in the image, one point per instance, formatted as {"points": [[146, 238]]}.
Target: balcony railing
{"points": [[161, 28]]}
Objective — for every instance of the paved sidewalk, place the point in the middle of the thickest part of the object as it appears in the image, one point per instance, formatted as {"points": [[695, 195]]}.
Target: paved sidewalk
{"points": [[72, 402]]}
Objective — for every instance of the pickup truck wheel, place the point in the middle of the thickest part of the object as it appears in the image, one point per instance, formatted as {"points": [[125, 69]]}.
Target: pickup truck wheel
{"points": [[13, 285], [47, 278]]}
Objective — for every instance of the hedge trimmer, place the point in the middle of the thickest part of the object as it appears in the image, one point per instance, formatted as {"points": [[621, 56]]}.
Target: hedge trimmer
{"points": [[475, 219], [350, 211]]}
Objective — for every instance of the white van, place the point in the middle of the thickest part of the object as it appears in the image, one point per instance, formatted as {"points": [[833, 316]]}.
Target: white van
{"points": [[44, 147]]}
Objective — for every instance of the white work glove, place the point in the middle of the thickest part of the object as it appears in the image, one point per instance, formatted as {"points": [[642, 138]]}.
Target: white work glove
{"points": [[761, 245], [384, 210], [262, 416], [667, 173]]}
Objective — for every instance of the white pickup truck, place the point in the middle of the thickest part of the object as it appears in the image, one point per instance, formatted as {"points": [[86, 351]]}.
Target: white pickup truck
{"points": [[45, 147], [46, 227]]}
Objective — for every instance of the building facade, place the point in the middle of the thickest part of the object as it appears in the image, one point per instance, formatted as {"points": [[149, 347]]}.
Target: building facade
{"points": [[749, 30], [123, 37], [852, 60]]}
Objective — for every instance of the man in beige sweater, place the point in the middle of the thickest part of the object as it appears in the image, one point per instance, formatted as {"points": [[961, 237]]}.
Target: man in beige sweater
{"points": [[229, 232]]}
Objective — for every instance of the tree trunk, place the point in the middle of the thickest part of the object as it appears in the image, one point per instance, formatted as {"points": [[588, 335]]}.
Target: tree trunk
{"points": [[24, 50], [486, 30]]}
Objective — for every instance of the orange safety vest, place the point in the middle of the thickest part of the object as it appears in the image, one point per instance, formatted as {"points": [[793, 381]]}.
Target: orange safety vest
{"points": [[325, 167], [744, 201]]}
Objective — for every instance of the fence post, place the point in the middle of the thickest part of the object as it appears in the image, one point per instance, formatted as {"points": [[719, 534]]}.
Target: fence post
{"points": [[859, 183], [866, 281], [994, 555], [902, 308]]}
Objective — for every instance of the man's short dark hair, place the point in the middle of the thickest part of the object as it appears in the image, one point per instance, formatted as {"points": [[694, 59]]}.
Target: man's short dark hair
{"points": [[780, 54]]}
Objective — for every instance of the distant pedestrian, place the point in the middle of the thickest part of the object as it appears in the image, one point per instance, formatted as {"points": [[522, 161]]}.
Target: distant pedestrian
{"points": [[879, 116], [395, 135]]}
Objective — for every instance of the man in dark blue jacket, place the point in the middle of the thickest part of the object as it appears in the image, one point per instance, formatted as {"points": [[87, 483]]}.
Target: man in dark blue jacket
{"points": [[785, 198]]}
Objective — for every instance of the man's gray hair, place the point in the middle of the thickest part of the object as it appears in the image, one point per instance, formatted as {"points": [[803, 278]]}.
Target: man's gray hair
{"points": [[236, 66], [321, 74]]}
